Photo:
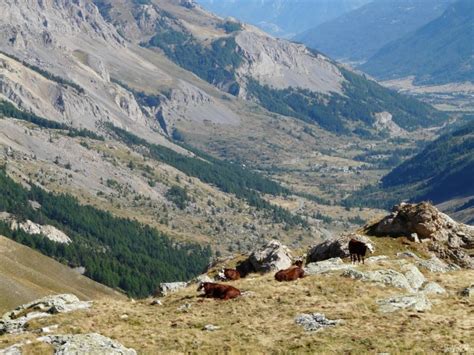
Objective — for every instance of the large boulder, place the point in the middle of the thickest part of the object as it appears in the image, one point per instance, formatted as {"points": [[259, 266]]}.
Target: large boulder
{"points": [[334, 248], [449, 238], [85, 344], [15, 321], [272, 256]]}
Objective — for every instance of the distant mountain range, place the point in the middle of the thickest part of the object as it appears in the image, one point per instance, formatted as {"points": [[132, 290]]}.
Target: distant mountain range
{"points": [[282, 18], [359, 34], [441, 51]]}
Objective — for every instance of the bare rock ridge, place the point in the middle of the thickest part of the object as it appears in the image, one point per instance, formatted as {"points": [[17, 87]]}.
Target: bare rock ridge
{"points": [[448, 238]]}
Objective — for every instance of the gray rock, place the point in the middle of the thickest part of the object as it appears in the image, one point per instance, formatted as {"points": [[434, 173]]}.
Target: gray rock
{"points": [[185, 307], [433, 288], [437, 265], [416, 301], [384, 277], [272, 256], [211, 327], [376, 259], [321, 267], [85, 344], [334, 248], [202, 278], [12, 350], [408, 255], [170, 287], [415, 278], [468, 291], [315, 322], [15, 321]]}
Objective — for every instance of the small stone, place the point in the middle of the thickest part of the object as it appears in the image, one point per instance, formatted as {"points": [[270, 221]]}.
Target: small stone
{"points": [[170, 287], [376, 259], [468, 291], [414, 276], [185, 307], [407, 255], [211, 327], [49, 329], [156, 302], [124, 317]]}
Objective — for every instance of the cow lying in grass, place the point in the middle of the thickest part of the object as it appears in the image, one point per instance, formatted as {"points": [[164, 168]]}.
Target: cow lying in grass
{"points": [[358, 249], [214, 290], [231, 274], [294, 272]]}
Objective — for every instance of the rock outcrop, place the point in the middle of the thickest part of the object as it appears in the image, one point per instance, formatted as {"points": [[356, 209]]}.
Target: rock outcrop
{"points": [[416, 301], [449, 238], [322, 267], [169, 287], [334, 248], [15, 321], [50, 232], [382, 277], [85, 344], [272, 256], [315, 322]]}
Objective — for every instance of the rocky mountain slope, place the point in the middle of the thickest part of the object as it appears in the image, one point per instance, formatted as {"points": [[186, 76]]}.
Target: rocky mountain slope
{"points": [[419, 54], [359, 34], [26, 275], [282, 18]]}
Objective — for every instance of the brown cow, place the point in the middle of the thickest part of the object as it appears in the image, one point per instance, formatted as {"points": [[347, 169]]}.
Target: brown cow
{"points": [[231, 274], [358, 249], [294, 272], [214, 290]]}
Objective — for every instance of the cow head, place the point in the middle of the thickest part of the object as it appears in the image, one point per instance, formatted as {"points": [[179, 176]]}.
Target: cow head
{"points": [[370, 247], [201, 286]]}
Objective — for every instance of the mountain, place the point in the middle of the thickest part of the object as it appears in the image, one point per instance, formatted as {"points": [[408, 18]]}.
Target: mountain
{"points": [[156, 135], [442, 173], [359, 34], [26, 275], [439, 52], [282, 18]]}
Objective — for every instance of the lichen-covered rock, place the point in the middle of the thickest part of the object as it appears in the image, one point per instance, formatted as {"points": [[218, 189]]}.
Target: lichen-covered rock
{"points": [[15, 321], [321, 267], [334, 248], [416, 301], [376, 259], [315, 322], [436, 265], [170, 287], [433, 288], [415, 278], [383, 277], [272, 256], [85, 344]]}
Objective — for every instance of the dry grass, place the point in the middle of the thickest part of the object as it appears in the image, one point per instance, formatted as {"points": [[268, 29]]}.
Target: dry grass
{"points": [[263, 322]]}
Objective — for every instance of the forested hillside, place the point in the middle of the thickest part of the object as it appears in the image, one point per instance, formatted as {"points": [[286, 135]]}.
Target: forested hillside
{"points": [[441, 172], [439, 52], [117, 252]]}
